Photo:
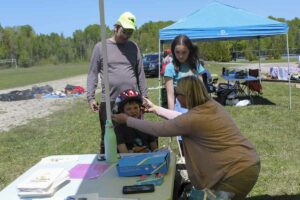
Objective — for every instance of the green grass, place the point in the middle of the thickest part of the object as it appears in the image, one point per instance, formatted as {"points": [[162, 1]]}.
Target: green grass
{"points": [[12, 77], [273, 129]]}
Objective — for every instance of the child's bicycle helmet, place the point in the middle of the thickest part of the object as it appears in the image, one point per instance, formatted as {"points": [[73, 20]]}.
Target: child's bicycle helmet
{"points": [[126, 96]]}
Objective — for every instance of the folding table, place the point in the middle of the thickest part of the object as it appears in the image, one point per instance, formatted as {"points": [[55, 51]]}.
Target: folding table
{"points": [[107, 186]]}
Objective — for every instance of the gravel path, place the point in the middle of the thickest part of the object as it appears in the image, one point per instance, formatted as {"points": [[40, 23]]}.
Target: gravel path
{"points": [[16, 113]]}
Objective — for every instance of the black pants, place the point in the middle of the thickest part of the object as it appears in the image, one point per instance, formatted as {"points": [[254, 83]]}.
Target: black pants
{"points": [[102, 118]]}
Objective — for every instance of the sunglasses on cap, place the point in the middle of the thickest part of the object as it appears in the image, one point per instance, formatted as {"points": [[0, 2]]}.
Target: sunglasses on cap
{"points": [[127, 32]]}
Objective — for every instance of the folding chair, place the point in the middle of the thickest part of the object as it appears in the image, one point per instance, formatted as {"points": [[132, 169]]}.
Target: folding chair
{"points": [[226, 91], [254, 87], [181, 176], [207, 80], [178, 108]]}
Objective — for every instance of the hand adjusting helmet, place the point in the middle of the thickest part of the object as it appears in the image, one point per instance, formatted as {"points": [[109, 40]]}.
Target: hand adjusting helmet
{"points": [[127, 96]]}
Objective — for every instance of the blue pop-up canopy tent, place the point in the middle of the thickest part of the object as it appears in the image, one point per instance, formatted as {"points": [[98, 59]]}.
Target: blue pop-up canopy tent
{"points": [[218, 21]]}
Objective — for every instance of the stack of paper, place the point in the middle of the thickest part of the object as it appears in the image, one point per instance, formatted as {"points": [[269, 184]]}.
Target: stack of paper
{"points": [[60, 159], [43, 183]]}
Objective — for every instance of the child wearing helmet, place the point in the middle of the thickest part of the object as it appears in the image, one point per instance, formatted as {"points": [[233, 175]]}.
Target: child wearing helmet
{"points": [[129, 139]]}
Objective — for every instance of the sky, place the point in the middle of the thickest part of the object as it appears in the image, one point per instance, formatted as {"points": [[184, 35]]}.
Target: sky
{"points": [[66, 16]]}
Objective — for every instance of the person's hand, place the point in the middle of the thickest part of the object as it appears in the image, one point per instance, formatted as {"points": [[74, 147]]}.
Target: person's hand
{"points": [[142, 149], [120, 118], [149, 106], [94, 105]]}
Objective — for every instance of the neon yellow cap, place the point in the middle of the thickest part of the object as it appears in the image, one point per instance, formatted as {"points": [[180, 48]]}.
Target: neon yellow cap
{"points": [[127, 20]]}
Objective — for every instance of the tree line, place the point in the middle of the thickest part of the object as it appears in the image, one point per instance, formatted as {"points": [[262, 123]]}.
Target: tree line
{"points": [[29, 48]]}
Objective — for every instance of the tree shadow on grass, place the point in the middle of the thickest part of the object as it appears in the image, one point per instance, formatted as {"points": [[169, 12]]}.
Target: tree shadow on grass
{"points": [[280, 197]]}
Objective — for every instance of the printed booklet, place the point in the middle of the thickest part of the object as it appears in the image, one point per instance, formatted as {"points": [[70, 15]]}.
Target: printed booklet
{"points": [[43, 182]]}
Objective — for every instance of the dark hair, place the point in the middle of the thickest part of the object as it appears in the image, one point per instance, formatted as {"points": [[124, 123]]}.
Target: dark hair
{"points": [[193, 58]]}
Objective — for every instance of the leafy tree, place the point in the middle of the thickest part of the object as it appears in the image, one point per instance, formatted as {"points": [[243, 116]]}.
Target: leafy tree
{"points": [[28, 48], [80, 45], [148, 35], [25, 38], [24, 59], [92, 35], [217, 51], [3, 49], [10, 42], [294, 35]]}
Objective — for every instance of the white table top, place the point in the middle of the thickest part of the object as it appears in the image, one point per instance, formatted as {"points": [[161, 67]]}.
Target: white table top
{"points": [[109, 185]]}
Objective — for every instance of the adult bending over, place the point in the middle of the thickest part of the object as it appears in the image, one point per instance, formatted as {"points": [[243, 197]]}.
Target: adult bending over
{"points": [[217, 155]]}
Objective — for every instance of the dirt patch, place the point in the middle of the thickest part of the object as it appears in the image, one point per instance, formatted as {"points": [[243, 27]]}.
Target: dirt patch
{"points": [[17, 113]]}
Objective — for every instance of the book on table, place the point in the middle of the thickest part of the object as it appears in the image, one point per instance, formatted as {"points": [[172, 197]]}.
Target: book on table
{"points": [[43, 182]]}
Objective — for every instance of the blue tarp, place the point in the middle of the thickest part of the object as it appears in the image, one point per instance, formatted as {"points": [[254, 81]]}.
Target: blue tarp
{"points": [[218, 21]]}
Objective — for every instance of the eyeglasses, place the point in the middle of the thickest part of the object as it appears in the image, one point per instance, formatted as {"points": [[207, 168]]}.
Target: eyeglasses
{"points": [[127, 32]]}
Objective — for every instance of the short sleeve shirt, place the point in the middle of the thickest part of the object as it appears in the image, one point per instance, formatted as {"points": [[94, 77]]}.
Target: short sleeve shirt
{"points": [[184, 71]]}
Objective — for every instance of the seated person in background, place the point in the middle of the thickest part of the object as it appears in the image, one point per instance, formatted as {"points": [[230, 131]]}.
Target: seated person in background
{"points": [[130, 140]]}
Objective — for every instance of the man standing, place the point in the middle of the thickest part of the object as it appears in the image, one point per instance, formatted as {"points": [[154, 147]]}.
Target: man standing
{"points": [[125, 68]]}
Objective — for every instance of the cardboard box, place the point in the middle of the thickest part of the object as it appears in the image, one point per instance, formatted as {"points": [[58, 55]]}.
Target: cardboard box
{"points": [[143, 164]]}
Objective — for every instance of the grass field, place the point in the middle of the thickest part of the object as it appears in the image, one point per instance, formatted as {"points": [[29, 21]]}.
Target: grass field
{"points": [[271, 126], [12, 77]]}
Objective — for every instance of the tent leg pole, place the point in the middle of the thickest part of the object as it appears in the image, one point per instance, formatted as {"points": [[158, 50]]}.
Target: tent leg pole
{"points": [[289, 75], [104, 51], [159, 76], [259, 64]]}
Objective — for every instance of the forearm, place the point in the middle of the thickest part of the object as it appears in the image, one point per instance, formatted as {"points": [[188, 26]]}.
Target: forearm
{"points": [[141, 75], [171, 101], [166, 113], [92, 78], [142, 82], [122, 148], [170, 93], [165, 129], [92, 82]]}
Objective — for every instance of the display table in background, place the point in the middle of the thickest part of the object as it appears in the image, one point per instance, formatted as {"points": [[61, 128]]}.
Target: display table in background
{"points": [[237, 83], [107, 186]]}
